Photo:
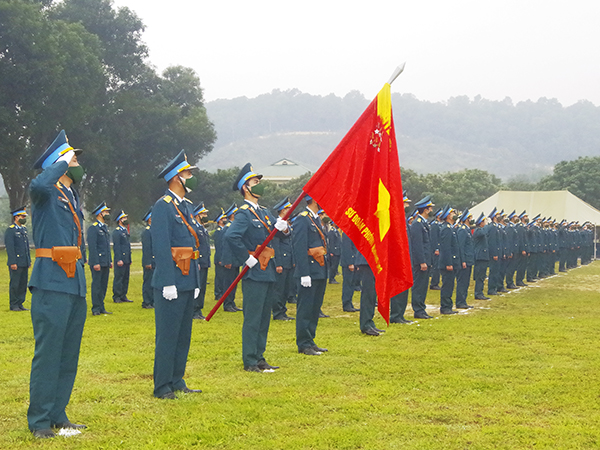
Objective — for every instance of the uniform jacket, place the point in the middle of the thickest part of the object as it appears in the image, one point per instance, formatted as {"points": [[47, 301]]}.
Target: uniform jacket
{"points": [[204, 239], [244, 234], [465, 244], [449, 255], [419, 240], [54, 225], [522, 241], [305, 236], [147, 254], [284, 252], [480, 244], [217, 239], [121, 245], [168, 230], [334, 241], [17, 246], [494, 240], [348, 251], [98, 239]]}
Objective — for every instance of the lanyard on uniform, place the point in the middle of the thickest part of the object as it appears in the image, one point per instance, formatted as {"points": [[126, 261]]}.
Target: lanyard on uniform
{"points": [[261, 221], [319, 230], [191, 230], [75, 217]]}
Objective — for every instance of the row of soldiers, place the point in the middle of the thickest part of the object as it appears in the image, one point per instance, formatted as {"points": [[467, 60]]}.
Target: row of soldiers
{"points": [[514, 249]]}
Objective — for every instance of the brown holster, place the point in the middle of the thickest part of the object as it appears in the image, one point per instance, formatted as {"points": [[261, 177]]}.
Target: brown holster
{"points": [[264, 257], [182, 257], [318, 253], [65, 257]]}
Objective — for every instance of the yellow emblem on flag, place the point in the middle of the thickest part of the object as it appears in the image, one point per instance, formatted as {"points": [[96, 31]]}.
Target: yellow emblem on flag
{"points": [[383, 210], [384, 107]]}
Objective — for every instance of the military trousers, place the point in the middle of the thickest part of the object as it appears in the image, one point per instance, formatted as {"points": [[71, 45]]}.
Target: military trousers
{"points": [[521, 269], [147, 290], [227, 277], [368, 297], [562, 260], [479, 273], [173, 321], [419, 289], [121, 282], [398, 305], [435, 272], [58, 319], [99, 288], [494, 276], [463, 280], [532, 266], [281, 292], [218, 281], [17, 286], [310, 300], [199, 301], [347, 288], [447, 289], [334, 262], [511, 269], [258, 303]]}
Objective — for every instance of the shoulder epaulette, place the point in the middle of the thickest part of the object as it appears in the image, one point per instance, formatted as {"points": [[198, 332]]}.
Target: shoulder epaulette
{"points": [[12, 226], [95, 224], [147, 228], [167, 198], [304, 213], [245, 206], [228, 225]]}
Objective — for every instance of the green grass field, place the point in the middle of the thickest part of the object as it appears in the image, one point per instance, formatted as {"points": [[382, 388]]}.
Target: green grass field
{"points": [[519, 371]]}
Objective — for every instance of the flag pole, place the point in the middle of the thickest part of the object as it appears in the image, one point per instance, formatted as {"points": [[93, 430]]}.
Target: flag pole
{"points": [[256, 254], [397, 72]]}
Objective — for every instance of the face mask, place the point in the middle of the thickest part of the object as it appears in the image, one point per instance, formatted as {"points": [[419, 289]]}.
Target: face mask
{"points": [[125, 222], [22, 221], [257, 190], [75, 173], [190, 183], [106, 217]]}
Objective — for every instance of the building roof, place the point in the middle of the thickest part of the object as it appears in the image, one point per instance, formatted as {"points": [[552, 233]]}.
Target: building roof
{"points": [[283, 170], [556, 204]]}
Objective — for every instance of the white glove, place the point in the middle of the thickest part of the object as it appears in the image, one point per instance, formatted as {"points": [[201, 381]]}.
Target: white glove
{"points": [[281, 224], [196, 292], [67, 156], [305, 281], [251, 261], [170, 292]]}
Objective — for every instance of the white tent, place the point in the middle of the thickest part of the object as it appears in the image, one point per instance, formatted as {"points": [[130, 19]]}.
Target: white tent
{"points": [[556, 204]]}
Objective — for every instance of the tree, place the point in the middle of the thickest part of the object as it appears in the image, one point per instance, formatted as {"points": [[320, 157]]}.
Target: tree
{"points": [[580, 177]]}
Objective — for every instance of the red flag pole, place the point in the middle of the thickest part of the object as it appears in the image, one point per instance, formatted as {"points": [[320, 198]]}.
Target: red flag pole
{"points": [[258, 252]]}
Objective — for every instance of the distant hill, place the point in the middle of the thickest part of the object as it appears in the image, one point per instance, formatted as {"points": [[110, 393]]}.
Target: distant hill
{"points": [[503, 138]]}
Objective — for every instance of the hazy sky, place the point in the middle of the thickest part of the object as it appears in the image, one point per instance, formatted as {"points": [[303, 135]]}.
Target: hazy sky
{"points": [[523, 49]]}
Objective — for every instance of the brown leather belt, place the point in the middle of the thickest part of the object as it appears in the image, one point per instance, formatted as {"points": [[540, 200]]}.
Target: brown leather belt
{"points": [[43, 253], [66, 257]]}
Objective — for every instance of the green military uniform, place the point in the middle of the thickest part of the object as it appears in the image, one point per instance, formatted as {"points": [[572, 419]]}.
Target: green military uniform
{"points": [[17, 250], [98, 239], [58, 307], [122, 251]]}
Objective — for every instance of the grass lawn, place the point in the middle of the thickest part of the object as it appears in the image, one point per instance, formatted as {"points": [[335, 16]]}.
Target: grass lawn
{"points": [[519, 371]]}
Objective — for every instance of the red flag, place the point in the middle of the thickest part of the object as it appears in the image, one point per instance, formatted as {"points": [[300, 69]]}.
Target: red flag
{"points": [[359, 187]]}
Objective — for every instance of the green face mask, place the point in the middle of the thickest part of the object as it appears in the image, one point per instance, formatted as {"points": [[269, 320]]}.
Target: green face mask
{"points": [[258, 189], [190, 183], [125, 222], [106, 217], [22, 221], [75, 173]]}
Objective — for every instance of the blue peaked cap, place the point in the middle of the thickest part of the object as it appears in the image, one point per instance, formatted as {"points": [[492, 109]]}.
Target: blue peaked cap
{"points": [[176, 165], [284, 203], [245, 174], [59, 147], [98, 209], [147, 215], [424, 202], [200, 209]]}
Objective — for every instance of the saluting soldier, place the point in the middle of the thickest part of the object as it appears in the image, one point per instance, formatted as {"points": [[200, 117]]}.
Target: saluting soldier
{"points": [[310, 253], [449, 260], [176, 279], [421, 255], [399, 302], [100, 261], [200, 213], [122, 258], [19, 259], [57, 285], [467, 257], [334, 247], [248, 231], [147, 262], [284, 265], [481, 248]]}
